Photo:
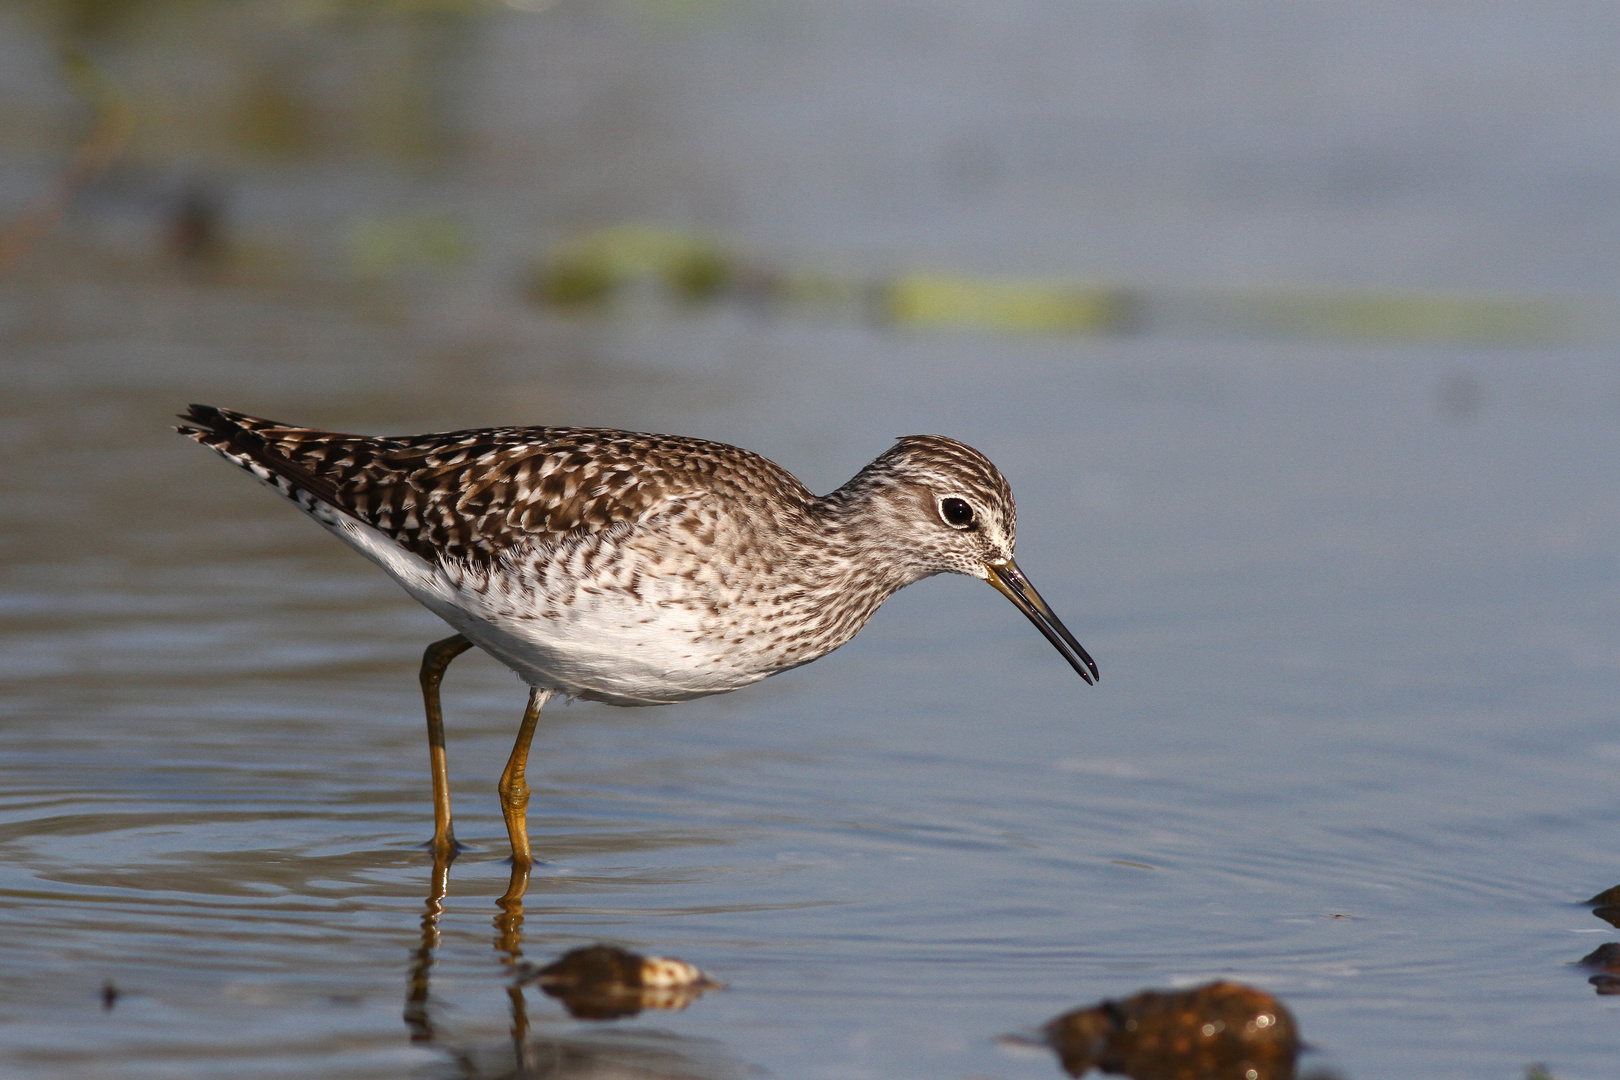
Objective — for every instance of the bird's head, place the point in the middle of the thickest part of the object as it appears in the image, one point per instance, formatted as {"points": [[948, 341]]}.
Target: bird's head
{"points": [[945, 508]]}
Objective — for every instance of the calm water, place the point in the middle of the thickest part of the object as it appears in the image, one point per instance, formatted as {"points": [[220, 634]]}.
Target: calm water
{"points": [[1356, 606]]}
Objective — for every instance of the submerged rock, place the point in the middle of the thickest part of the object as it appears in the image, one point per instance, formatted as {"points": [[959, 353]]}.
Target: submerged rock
{"points": [[1222, 1031], [605, 982]]}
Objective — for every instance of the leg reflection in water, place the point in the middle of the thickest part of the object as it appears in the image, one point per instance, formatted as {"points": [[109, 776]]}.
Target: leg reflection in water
{"points": [[601, 982], [509, 944], [417, 1019]]}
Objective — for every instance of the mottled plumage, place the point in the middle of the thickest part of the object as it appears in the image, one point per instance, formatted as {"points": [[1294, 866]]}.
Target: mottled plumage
{"points": [[641, 569]]}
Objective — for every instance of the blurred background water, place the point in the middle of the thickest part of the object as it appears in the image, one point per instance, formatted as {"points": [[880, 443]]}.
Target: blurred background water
{"points": [[1291, 325]]}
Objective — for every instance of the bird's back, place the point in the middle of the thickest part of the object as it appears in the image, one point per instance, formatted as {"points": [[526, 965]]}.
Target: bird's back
{"points": [[472, 495]]}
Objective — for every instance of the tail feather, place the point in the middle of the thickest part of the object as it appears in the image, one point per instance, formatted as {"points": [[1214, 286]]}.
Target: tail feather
{"points": [[242, 439]]}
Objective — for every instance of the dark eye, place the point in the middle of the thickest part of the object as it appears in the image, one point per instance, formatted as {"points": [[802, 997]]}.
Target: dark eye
{"points": [[956, 513]]}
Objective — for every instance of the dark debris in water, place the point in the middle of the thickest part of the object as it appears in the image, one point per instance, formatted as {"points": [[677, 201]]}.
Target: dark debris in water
{"points": [[604, 982], [1607, 898], [1221, 1031], [1605, 957], [1606, 905], [1605, 961]]}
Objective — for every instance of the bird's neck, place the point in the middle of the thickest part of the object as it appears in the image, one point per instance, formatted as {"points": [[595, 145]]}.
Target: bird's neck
{"points": [[864, 526]]}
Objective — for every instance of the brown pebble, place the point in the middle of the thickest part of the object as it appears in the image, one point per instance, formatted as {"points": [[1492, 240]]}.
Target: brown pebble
{"points": [[605, 982], [1222, 1031]]}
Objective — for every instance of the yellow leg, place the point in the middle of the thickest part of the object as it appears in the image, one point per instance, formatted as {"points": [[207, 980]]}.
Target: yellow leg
{"points": [[434, 661], [514, 790]]}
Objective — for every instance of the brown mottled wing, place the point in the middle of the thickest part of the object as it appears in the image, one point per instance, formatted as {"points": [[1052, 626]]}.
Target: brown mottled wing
{"points": [[472, 495]]}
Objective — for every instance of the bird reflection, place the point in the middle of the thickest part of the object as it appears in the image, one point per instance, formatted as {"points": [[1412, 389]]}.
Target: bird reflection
{"points": [[509, 923], [509, 944], [418, 1021], [598, 983]]}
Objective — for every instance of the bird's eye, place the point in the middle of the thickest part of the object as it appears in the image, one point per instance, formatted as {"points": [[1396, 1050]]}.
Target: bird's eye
{"points": [[957, 513]]}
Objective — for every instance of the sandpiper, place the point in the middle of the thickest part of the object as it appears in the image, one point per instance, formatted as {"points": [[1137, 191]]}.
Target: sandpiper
{"points": [[633, 569]]}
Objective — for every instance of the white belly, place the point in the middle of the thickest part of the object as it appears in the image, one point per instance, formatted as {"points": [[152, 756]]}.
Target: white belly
{"points": [[610, 650], [651, 648]]}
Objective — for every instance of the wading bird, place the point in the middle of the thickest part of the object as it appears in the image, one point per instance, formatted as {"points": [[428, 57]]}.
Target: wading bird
{"points": [[633, 569]]}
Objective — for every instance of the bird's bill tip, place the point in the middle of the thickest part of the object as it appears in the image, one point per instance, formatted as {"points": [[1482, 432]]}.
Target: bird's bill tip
{"points": [[1010, 582]]}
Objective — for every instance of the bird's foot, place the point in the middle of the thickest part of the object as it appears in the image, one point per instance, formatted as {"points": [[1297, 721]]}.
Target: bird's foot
{"points": [[444, 852]]}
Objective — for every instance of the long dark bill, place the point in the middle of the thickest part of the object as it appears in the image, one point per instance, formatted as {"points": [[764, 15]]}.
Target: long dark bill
{"points": [[1011, 583]]}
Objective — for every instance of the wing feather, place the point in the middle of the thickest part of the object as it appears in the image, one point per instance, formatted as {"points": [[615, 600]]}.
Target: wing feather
{"points": [[476, 495]]}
